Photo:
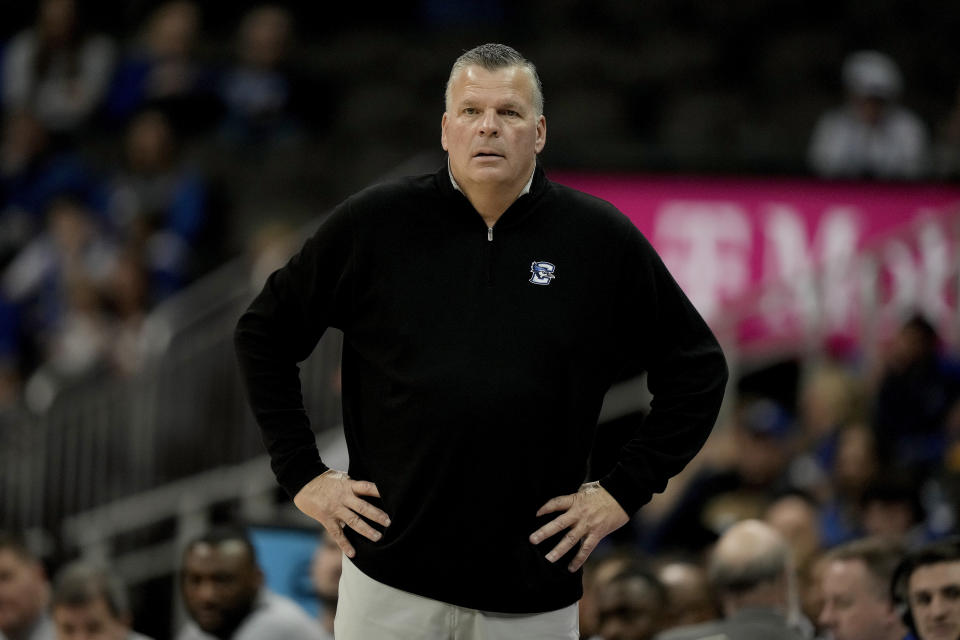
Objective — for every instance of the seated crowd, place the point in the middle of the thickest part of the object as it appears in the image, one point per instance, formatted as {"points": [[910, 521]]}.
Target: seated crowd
{"points": [[746, 588], [104, 211]]}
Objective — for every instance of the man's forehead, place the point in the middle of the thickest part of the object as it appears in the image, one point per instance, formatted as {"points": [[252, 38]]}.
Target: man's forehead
{"points": [[228, 550], [848, 567], [473, 79], [96, 608], [851, 575], [9, 558], [936, 575]]}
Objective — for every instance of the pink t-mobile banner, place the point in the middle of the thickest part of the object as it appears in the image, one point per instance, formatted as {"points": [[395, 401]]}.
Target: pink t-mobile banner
{"points": [[776, 255]]}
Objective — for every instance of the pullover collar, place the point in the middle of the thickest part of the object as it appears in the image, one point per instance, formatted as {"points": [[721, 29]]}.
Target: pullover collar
{"points": [[536, 187]]}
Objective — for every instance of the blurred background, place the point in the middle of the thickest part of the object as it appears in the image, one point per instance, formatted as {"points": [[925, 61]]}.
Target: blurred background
{"points": [[797, 164]]}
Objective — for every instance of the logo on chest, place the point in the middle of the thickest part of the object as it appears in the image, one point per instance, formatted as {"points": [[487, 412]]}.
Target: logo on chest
{"points": [[543, 272]]}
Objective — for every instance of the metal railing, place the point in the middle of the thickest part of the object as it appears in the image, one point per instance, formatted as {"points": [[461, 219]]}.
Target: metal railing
{"points": [[104, 441]]}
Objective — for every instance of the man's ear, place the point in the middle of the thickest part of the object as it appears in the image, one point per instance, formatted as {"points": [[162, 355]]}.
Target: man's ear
{"points": [[541, 133], [443, 131]]}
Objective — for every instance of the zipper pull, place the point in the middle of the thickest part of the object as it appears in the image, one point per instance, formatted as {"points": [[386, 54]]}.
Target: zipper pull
{"points": [[489, 234]]}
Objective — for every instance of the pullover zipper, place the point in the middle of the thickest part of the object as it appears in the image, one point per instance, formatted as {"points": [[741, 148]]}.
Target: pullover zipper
{"points": [[489, 253]]}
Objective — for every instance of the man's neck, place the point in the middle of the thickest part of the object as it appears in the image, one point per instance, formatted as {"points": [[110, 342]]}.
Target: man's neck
{"points": [[490, 203], [491, 200]]}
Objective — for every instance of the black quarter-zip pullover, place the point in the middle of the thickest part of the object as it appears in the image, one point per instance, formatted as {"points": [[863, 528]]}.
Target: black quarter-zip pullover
{"points": [[474, 368]]}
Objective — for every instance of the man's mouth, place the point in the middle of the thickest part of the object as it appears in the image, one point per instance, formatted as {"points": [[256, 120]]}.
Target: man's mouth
{"points": [[487, 154]]}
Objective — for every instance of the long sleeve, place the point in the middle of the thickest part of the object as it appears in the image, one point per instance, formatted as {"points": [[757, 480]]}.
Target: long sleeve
{"points": [[687, 375], [280, 329]]}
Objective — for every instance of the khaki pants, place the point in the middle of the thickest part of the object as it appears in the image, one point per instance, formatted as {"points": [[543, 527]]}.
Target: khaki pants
{"points": [[370, 610]]}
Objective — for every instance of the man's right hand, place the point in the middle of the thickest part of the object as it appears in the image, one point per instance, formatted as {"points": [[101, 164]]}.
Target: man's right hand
{"points": [[333, 500]]}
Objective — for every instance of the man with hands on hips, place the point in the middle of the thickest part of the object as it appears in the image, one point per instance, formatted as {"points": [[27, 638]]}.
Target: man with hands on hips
{"points": [[486, 311]]}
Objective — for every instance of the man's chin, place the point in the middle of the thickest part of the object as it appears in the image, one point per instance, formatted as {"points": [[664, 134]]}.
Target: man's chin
{"points": [[489, 175], [211, 623]]}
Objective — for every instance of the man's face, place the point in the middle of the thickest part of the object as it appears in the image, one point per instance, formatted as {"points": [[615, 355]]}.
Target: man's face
{"points": [[220, 583], [91, 621], [855, 607], [491, 129], [23, 592], [934, 595], [628, 610]]}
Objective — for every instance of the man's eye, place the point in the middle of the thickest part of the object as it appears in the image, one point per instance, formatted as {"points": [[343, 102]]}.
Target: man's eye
{"points": [[510, 112], [469, 111]]}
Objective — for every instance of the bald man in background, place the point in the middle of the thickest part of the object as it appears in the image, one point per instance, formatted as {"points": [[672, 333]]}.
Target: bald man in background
{"points": [[752, 570]]}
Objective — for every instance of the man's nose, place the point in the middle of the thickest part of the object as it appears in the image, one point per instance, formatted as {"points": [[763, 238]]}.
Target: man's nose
{"points": [[206, 592], [826, 616], [939, 607], [490, 123]]}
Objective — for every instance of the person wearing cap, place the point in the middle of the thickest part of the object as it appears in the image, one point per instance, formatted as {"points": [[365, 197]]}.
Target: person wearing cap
{"points": [[871, 136]]}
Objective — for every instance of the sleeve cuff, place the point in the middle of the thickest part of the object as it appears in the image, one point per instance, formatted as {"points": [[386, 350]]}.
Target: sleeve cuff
{"points": [[625, 491], [298, 471]]}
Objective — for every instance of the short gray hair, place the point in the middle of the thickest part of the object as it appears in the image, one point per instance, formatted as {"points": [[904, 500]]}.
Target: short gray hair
{"points": [[493, 56], [80, 583], [880, 556]]}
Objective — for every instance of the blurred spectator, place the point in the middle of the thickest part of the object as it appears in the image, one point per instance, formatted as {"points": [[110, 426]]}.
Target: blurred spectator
{"points": [[892, 508], [855, 467], [829, 398], [812, 598], [76, 345], [262, 94], [24, 593], [56, 70], [796, 516], [917, 392], [752, 572], [325, 575], [597, 571], [947, 150], [159, 204], [856, 589], [690, 597], [269, 248], [927, 584], [224, 594], [90, 603], [50, 297], [872, 136], [630, 605], [164, 73], [718, 497], [126, 295], [32, 173]]}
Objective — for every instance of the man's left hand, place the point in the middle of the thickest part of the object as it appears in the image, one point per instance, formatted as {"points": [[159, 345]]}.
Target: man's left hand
{"points": [[589, 515]]}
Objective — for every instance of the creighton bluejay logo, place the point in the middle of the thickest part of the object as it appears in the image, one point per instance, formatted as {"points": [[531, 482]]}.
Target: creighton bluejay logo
{"points": [[542, 272]]}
